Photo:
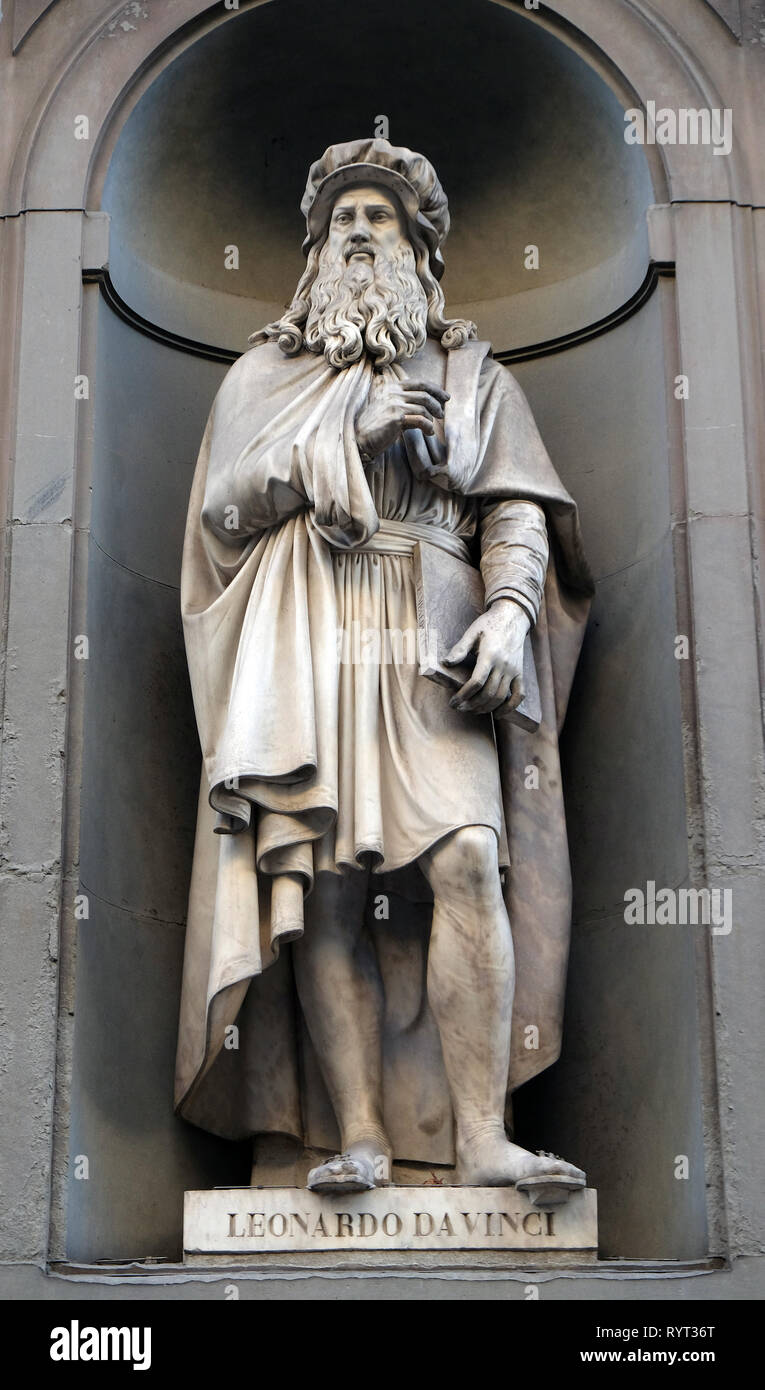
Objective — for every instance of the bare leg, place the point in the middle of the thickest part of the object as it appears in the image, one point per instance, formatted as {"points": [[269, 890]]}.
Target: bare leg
{"points": [[471, 980], [341, 996]]}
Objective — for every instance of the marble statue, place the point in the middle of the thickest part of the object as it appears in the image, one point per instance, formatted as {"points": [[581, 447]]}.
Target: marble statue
{"points": [[380, 904]]}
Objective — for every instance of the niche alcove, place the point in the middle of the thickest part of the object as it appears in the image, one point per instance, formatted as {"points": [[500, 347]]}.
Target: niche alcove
{"points": [[528, 140]]}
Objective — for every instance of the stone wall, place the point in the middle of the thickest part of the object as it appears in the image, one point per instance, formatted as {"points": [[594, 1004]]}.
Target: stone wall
{"points": [[664, 757]]}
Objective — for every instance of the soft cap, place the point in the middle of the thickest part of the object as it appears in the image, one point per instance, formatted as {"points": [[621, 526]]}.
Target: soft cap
{"points": [[409, 175]]}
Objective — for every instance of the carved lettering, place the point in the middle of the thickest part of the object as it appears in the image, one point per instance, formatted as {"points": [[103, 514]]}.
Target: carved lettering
{"points": [[289, 1220]]}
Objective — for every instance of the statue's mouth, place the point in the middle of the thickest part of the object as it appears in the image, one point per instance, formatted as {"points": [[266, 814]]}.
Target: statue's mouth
{"points": [[366, 251]]}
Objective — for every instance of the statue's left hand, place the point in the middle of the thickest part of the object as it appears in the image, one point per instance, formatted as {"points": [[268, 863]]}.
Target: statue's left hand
{"points": [[497, 677]]}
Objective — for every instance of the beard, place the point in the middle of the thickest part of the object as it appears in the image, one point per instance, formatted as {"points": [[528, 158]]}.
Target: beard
{"points": [[356, 307]]}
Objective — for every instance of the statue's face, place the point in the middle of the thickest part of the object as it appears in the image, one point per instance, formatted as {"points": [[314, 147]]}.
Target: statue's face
{"points": [[366, 295], [365, 220]]}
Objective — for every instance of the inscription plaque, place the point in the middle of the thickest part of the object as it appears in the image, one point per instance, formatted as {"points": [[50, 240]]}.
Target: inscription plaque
{"points": [[241, 1221]]}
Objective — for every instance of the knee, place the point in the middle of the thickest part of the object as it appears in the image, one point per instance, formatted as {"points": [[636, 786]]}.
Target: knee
{"points": [[466, 863], [474, 847]]}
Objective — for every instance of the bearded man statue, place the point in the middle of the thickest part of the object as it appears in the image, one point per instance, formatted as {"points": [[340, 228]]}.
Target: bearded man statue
{"points": [[379, 910]]}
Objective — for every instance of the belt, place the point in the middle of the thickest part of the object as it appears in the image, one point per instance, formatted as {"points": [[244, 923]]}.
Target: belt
{"points": [[400, 538]]}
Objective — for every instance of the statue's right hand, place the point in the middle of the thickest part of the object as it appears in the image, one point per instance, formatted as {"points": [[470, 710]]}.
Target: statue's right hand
{"points": [[398, 406]]}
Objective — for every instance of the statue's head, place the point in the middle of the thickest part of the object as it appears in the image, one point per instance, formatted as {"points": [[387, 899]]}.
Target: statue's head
{"points": [[377, 217]]}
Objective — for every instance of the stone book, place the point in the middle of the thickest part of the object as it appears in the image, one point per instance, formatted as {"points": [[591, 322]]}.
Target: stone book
{"points": [[450, 596]]}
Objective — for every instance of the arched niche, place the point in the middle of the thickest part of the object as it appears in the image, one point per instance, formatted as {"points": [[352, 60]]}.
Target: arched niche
{"points": [[527, 137]]}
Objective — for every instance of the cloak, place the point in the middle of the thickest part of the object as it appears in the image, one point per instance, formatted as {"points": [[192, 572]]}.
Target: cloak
{"points": [[278, 484]]}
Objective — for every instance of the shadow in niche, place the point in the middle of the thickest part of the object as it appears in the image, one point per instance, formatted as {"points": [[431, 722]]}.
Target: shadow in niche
{"points": [[528, 142], [624, 1099], [141, 768]]}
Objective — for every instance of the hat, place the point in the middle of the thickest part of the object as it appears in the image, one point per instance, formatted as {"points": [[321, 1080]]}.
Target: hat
{"points": [[410, 176]]}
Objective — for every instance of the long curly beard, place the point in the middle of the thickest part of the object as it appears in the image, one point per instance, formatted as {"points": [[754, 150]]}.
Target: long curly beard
{"points": [[355, 306]]}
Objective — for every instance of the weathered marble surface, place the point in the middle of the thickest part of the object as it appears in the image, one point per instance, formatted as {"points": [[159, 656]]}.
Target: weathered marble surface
{"points": [[244, 1220], [364, 420]]}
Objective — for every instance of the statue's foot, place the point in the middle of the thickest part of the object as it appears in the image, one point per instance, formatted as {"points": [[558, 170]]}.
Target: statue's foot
{"points": [[360, 1169], [490, 1160], [341, 1174]]}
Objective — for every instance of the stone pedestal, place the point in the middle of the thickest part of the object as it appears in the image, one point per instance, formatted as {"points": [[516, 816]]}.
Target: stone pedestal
{"points": [[237, 1223]]}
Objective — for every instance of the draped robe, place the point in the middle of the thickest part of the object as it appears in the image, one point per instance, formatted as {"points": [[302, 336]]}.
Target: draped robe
{"points": [[279, 489]]}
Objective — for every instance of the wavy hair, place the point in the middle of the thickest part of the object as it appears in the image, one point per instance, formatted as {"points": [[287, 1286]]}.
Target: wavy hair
{"points": [[289, 330]]}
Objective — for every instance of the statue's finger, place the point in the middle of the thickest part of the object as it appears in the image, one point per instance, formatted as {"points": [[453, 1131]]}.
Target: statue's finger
{"points": [[424, 399], [493, 694], [503, 689], [418, 422], [462, 649], [493, 683], [517, 694], [473, 685], [409, 384]]}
